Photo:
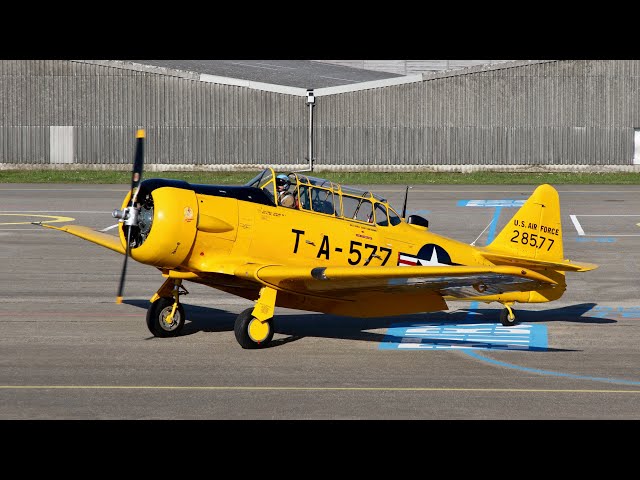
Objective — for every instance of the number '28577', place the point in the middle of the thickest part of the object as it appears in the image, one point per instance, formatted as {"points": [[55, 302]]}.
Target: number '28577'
{"points": [[533, 240]]}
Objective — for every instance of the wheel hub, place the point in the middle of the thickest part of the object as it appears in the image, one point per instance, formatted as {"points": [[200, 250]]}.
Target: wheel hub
{"points": [[258, 331], [164, 316]]}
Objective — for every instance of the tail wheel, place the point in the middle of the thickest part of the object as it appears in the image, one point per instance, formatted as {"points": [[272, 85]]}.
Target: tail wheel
{"points": [[251, 332], [507, 317], [158, 318]]}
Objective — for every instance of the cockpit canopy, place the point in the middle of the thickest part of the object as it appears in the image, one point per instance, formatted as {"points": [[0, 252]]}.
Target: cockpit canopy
{"points": [[323, 196]]}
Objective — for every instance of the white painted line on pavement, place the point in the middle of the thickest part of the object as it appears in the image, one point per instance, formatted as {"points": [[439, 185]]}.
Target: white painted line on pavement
{"points": [[576, 224]]}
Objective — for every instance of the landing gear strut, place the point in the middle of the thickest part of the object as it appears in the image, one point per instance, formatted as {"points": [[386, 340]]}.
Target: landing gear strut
{"points": [[507, 317], [254, 326], [165, 317]]}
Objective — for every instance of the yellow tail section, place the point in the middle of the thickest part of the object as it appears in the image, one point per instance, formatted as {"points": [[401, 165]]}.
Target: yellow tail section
{"points": [[535, 231]]}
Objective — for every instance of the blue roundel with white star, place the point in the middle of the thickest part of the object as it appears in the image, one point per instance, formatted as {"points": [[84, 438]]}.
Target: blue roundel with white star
{"points": [[429, 255]]}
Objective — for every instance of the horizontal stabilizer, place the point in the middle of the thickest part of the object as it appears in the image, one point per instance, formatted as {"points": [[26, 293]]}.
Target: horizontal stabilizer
{"points": [[565, 265], [104, 239]]}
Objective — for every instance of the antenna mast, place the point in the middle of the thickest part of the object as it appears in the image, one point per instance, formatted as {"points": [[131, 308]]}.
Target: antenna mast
{"points": [[404, 207]]}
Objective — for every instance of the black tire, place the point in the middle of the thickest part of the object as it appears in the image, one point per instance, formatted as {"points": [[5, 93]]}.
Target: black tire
{"points": [[506, 320], [241, 329], [158, 312]]}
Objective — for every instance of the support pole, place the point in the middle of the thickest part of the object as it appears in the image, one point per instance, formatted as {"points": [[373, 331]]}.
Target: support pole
{"points": [[311, 102]]}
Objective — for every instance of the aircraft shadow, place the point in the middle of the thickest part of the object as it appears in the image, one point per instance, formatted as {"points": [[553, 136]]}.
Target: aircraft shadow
{"points": [[199, 319], [295, 327]]}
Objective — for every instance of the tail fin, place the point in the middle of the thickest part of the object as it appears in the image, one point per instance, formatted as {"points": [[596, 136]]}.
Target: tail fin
{"points": [[533, 236], [535, 231]]}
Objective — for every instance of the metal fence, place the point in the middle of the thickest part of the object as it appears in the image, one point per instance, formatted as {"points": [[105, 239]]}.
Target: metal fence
{"points": [[559, 115]]}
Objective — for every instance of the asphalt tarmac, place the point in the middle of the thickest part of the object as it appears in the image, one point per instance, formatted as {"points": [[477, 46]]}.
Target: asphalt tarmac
{"points": [[69, 352]]}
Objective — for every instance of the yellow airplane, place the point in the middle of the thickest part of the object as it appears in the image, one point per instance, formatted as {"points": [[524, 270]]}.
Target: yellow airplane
{"points": [[336, 250]]}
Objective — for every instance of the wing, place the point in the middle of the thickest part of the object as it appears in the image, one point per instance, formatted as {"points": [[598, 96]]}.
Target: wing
{"points": [[344, 282], [104, 239]]}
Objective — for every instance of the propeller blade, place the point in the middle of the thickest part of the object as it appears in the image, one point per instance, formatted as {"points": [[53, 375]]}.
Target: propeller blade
{"points": [[136, 174], [124, 268], [130, 218]]}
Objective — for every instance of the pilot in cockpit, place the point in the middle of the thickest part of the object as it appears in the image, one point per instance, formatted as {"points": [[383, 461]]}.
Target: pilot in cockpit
{"points": [[286, 197]]}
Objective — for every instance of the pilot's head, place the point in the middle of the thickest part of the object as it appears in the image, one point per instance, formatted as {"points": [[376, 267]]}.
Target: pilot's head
{"points": [[282, 182]]}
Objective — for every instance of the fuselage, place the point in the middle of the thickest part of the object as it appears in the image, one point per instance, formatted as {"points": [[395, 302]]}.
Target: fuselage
{"points": [[210, 230]]}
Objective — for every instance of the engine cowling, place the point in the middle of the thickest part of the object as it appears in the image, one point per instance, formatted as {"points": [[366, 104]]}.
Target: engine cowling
{"points": [[166, 226]]}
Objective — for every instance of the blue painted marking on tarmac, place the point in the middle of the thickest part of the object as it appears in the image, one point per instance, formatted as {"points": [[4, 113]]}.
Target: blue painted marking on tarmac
{"points": [[448, 336], [492, 229], [473, 306], [596, 239], [604, 311], [548, 372], [631, 312], [598, 309], [490, 203]]}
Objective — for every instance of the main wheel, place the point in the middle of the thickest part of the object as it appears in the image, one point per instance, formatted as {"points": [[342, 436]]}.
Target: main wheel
{"points": [[506, 318], [251, 332], [157, 321]]}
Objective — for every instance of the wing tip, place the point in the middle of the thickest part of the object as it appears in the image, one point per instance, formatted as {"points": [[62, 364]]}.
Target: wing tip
{"points": [[585, 267], [44, 225]]}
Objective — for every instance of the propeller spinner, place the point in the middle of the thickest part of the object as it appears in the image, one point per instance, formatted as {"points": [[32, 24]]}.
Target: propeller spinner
{"points": [[129, 216]]}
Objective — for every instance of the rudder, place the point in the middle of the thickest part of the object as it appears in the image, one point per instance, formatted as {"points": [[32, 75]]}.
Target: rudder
{"points": [[535, 230]]}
